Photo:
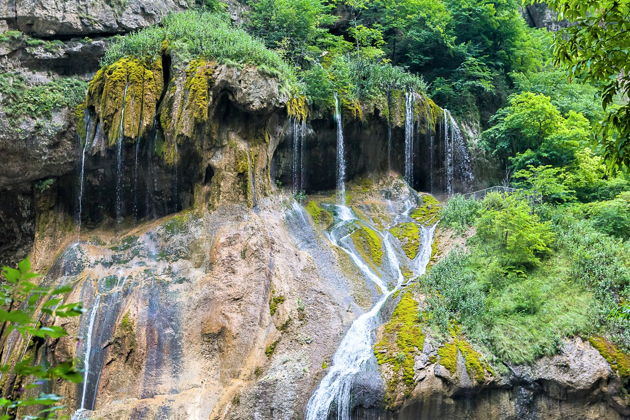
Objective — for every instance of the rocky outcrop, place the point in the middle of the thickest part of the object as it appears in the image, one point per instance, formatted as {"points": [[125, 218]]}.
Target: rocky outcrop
{"points": [[539, 15], [576, 383], [63, 18]]}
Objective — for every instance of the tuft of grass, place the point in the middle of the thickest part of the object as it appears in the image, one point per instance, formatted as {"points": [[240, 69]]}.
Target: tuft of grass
{"points": [[271, 348], [274, 302], [459, 213]]}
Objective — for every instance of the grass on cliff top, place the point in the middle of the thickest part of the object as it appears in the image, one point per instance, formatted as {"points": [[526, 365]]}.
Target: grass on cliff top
{"points": [[194, 34]]}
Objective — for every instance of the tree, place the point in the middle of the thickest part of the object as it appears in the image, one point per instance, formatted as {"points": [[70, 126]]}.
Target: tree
{"points": [[596, 47], [546, 181], [509, 229], [28, 309]]}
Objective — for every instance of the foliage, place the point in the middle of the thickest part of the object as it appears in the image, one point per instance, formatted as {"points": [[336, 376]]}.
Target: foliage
{"points": [[546, 181], [20, 302], [459, 213], [595, 47], [508, 229], [20, 98]]}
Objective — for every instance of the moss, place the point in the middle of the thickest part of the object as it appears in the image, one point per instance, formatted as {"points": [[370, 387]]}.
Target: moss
{"points": [[198, 83], [242, 162], [402, 340], [126, 93], [476, 366], [274, 302], [271, 348], [448, 357], [369, 244], [318, 214], [324, 364], [79, 121], [297, 108], [428, 211], [176, 224], [409, 236], [617, 359]]}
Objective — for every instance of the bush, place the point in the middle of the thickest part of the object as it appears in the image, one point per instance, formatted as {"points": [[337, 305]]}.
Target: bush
{"points": [[508, 229], [19, 98], [459, 213]]}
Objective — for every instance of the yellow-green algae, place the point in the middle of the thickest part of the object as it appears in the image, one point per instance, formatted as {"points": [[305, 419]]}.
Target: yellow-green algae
{"points": [[369, 244], [409, 236], [274, 302], [402, 339], [297, 107], [130, 85], [199, 77], [318, 214], [428, 211], [476, 366], [617, 359]]}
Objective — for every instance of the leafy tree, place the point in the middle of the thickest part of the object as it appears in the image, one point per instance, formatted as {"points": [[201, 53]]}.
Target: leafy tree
{"points": [[546, 181], [20, 302], [595, 47], [508, 228], [524, 124]]}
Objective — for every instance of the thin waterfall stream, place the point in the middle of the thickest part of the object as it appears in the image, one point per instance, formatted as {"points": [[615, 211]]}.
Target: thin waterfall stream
{"points": [[341, 158], [333, 396], [119, 159], [409, 136], [457, 156]]}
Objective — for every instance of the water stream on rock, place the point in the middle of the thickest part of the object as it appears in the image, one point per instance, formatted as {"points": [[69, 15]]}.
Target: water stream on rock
{"points": [[86, 145], [334, 394], [457, 155], [135, 179], [88, 351], [341, 159], [119, 160], [298, 129], [409, 131]]}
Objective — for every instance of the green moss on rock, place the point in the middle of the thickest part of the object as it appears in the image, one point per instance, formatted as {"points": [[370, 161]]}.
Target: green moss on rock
{"points": [[428, 211], [409, 236], [402, 340], [617, 359], [125, 95], [318, 214], [274, 302], [369, 244], [476, 367]]}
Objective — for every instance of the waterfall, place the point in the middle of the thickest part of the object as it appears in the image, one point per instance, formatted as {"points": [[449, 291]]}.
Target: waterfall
{"points": [[449, 152], [457, 156], [88, 351], [298, 129], [389, 131], [86, 145], [119, 160], [409, 128], [341, 160], [356, 348], [135, 179]]}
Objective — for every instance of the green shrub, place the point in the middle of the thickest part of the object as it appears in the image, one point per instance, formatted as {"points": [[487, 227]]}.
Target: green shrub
{"points": [[460, 213], [19, 98]]}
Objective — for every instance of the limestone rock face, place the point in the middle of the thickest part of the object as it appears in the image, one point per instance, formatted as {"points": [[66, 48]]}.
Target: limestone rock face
{"points": [[50, 18], [539, 15]]}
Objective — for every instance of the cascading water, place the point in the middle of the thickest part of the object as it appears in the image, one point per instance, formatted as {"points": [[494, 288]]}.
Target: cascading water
{"points": [[84, 149], [333, 396], [135, 178], [119, 160], [298, 129], [409, 131], [457, 156], [88, 351], [341, 159], [449, 152]]}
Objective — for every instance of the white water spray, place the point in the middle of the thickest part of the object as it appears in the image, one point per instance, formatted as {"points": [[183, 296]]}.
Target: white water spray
{"points": [[341, 160], [409, 132], [88, 350]]}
